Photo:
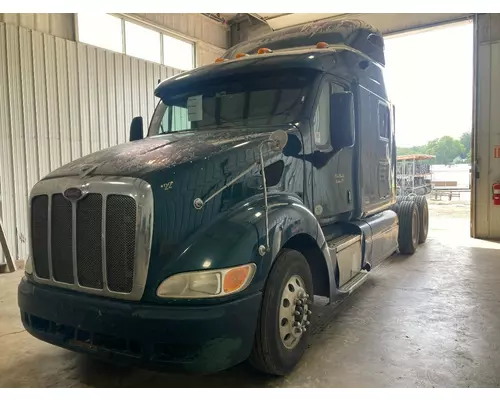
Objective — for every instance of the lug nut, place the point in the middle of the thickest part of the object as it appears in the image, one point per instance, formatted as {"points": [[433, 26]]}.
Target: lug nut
{"points": [[297, 313], [309, 312], [298, 302], [308, 323], [304, 329]]}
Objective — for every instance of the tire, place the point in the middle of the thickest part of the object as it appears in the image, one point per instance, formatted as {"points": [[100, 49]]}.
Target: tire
{"points": [[395, 207], [409, 224], [423, 212], [269, 353]]}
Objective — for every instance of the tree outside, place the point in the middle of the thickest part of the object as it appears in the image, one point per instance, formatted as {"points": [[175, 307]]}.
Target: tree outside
{"points": [[446, 149]]}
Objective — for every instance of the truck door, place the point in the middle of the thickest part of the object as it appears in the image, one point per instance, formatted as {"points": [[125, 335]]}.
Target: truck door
{"points": [[376, 152], [332, 182], [384, 149]]}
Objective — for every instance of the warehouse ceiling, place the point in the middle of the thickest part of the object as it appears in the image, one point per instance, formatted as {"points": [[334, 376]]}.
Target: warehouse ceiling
{"points": [[386, 23]]}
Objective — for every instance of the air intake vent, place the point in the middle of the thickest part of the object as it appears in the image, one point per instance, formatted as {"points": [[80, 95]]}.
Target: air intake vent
{"points": [[120, 242], [88, 241], [62, 239], [39, 231]]}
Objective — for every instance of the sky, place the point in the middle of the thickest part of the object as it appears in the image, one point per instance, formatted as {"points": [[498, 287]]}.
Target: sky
{"points": [[429, 80]]}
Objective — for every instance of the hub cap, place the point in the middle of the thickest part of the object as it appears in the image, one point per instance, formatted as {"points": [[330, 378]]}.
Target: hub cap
{"points": [[294, 312]]}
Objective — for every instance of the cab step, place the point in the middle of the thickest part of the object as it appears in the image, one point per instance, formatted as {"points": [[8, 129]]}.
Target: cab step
{"points": [[351, 285], [343, 242]]}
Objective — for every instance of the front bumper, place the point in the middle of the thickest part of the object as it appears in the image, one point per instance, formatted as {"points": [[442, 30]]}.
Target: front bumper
{"points": [[195, 339]]}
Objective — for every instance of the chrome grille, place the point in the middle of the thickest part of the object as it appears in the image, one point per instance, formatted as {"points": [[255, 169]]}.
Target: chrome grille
{"points": [[99, 243]]}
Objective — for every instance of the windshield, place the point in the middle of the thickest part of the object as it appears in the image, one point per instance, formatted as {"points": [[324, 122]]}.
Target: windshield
{"points": [[243, 100]]}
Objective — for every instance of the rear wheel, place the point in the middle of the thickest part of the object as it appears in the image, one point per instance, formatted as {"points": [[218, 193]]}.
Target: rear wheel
{"points": [[284, 323], [409, 227], [423, 213]]}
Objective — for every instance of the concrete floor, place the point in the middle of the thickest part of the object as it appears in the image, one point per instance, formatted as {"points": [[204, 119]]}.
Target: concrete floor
{"points": [[430, 320]]}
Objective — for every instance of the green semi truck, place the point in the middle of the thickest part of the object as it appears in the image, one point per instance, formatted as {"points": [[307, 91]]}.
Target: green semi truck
{"points": [[265, 181]]}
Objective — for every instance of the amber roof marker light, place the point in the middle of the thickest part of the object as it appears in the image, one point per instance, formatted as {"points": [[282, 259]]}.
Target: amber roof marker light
{"points": [[220, 59], [240, 55], [264, 50], [321, 45]]}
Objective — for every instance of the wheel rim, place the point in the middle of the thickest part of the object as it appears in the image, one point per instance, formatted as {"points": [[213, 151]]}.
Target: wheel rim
{"points": [[294, 312], [414, 227]]}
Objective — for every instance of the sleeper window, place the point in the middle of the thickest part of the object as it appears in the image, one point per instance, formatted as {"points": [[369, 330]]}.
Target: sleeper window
{"points": [[384, 118]]}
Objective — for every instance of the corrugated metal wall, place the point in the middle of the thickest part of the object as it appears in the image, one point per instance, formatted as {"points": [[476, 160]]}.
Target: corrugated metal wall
{"points": [[57, 24], [60, 100]]}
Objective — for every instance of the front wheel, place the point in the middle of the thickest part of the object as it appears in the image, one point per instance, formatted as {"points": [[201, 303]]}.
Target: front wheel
{"points": [[284, 323]]}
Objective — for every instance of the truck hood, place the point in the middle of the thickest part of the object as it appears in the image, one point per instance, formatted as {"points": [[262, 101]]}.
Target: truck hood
{"points": [[181, 168], [141, 158]]}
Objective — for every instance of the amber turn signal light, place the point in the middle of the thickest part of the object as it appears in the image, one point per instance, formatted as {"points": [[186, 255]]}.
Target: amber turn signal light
{"points": [[235, 278]]}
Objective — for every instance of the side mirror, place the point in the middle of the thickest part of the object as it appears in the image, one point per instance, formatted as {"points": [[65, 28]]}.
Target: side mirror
{"points": [[136, 129], [342, 120], [293, 146]]}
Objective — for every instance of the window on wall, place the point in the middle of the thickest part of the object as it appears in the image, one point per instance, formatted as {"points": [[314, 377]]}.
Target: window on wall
{"points": [[178, 53], [122, 36], [142, 43], [101, 30], [384, 118]]}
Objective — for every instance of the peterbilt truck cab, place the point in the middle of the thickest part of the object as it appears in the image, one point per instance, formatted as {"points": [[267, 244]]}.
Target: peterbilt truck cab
{"points": [[265, 182]]}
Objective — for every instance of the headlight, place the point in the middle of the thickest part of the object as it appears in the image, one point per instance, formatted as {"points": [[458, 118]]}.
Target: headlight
{"points": [[202, 284], [28, 267]]}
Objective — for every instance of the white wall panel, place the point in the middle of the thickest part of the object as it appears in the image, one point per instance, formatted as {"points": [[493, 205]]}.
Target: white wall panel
{"points": [[74, 101], [84, 98], [143, 94], [111, 95], [52, 104], [40, 87], [60, 100], [63, 100], [121, 120], [17, 136], [7, 199], [95, 143], [102, 104], [29, 110], [127, 92]]}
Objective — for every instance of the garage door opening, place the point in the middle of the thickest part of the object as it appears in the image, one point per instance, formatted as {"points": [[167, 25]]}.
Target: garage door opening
{"points": [[429, 76]]}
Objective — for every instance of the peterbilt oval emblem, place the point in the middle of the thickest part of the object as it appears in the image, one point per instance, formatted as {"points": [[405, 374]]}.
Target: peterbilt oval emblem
{"points": [[73, 193]]}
